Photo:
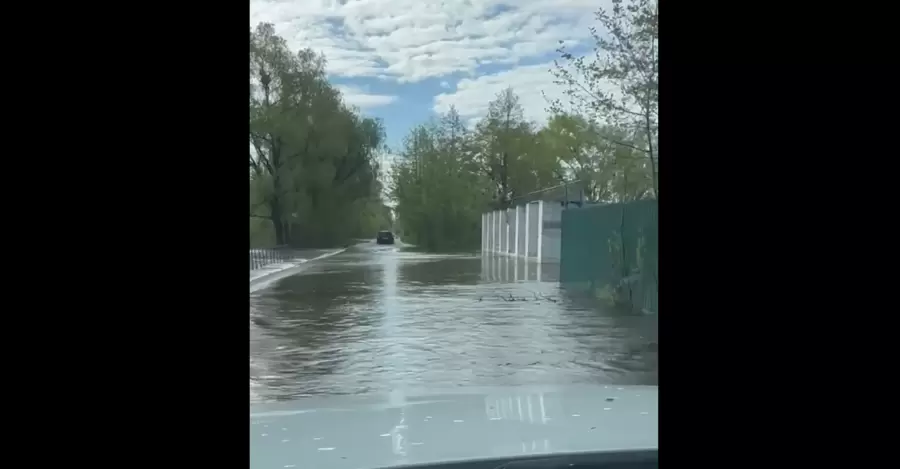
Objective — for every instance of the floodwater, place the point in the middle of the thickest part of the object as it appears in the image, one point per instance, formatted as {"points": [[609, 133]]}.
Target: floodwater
{"points": [[381, 318]]}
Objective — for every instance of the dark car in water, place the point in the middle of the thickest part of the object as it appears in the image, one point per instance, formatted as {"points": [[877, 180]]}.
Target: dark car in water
{"points": [[385, 237]]}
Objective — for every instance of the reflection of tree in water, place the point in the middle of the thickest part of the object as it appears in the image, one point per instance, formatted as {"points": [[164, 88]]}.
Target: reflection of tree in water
{"points": [[449, 271], [307, 318]]}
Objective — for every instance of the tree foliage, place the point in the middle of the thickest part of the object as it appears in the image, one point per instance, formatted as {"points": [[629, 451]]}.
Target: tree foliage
{"points": [[438, 186], [594, 155], [620, 86], [448, 176], [509, 152], [314, 173], [313, 159]]}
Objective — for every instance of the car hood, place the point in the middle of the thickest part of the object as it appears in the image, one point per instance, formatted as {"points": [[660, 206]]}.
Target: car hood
{"points": [[413, 428]]}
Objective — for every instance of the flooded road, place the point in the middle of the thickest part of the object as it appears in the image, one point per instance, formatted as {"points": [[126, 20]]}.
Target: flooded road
{"points": [[381, 318]]}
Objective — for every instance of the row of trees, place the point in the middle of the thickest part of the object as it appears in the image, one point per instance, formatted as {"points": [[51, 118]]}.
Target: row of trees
{"points": [[604, 137], [314, 173]]}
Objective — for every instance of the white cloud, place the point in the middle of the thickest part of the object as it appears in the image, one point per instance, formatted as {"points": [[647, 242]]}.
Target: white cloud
{"points": [[406, 41], [530, 82], [534, 85], [356, 96], [410, 40]]}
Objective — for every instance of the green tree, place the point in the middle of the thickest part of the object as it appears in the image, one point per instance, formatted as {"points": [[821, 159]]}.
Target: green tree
{"points": [[313, 159], [620, 86], [509, 154], [607, 171], [438, 187]]}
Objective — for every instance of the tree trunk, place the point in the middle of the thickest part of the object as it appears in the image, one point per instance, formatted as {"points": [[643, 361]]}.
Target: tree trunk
{"points": [[288, 238], [279, 231], [652, 159], [277, 224]]}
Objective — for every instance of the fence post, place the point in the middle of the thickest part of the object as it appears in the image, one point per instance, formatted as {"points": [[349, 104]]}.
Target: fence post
{"points": [[527, 229], [499, 224], [495, 223], [540, 229], [502, 229], [491, 231], [506, 232], [487, 238], [487, 230], [516, 235], [496, 231], [499, 231]]}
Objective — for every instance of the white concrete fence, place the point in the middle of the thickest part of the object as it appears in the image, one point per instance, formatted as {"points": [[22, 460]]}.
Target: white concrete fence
{"points": [[530, 231]]}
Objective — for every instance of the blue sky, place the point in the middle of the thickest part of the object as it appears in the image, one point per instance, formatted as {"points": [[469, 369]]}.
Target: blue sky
{"points": [[405, 60], [408, 107]]}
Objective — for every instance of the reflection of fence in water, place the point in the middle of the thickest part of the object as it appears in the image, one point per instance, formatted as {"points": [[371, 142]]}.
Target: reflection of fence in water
{"points": [[500, 268], [529, 409]]}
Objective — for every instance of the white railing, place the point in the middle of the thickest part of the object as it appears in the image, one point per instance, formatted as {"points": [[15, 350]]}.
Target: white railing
{"points": [[529, 231]]}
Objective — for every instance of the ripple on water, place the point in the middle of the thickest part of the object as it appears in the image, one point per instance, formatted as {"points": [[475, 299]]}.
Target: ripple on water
{"points": [[376, 320]]}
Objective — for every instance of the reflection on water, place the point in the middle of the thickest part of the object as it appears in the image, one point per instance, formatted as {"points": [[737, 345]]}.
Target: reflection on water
{"points": [[379, 318], [507, 269]]}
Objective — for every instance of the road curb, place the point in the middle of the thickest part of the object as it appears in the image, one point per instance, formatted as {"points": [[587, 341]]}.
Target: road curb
{"points": [[259, 283]]}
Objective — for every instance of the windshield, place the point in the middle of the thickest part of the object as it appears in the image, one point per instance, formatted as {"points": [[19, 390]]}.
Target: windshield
{"points": [[521, 184]]}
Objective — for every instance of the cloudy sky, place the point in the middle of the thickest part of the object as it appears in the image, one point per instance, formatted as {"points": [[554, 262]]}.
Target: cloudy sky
{"points": [[403, 60]]}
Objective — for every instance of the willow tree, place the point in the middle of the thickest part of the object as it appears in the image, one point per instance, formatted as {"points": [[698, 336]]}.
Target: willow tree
{"points": [[312, 157]]}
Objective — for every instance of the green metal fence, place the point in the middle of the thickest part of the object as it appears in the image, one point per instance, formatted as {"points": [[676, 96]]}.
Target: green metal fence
{"points": [[612, 251]]}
